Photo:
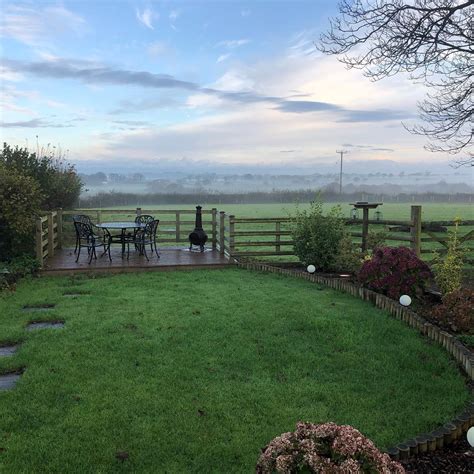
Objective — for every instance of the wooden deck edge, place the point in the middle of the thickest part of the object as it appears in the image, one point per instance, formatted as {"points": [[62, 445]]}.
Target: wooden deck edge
{"points": [[117, 270]]}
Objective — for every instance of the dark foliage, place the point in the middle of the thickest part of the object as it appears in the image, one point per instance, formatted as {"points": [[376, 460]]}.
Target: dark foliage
{"points": [[456, 312], [395, 271]]}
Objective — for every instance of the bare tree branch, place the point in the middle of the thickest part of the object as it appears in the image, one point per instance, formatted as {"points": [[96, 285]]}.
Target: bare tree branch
{"points": [[433, 41]]}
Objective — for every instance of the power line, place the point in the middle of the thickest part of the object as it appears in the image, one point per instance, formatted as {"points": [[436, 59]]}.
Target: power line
{"points": [[341, 152]]}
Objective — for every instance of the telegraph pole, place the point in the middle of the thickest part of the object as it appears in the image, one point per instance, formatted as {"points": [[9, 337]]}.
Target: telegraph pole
{"points": [[341, 152]]}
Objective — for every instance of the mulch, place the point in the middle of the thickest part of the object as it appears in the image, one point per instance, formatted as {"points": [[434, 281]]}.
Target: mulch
{"points": [[455, 458]]}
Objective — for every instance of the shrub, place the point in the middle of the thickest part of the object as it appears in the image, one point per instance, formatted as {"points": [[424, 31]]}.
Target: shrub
{"points": [[317, 237], [20, 200], [448, 270], [456, 312], [394, 271], [17, 268], [57, 179], [324, 448]]}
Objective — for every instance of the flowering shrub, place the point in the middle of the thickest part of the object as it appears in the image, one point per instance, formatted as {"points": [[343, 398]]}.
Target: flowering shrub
{"points": [[325, 448], [394, 271], [456, 313]]}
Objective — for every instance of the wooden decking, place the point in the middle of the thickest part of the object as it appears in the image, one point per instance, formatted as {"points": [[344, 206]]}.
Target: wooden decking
{"points": [[171, 258]]}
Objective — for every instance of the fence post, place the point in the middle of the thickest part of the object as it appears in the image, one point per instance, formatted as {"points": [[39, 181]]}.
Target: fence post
{"points": [[59, 221], [178, 226], [277, 230], [138, 211], [99, 217], [365, 228], [214, 228], [222, 233], [231, 235], [416, 229], [39, 241], [50, 235]]}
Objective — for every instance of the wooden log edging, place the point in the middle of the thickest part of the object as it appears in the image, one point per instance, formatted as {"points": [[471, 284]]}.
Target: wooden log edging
{"points": [[425, 442]]}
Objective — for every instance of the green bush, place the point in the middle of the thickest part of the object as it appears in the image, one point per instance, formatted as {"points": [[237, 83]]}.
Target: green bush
{"points": [[448, 270], [321, 239], [20, 200], [57, 179], [18, 267]]}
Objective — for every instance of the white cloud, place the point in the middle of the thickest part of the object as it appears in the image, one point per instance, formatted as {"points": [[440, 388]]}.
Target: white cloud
{"points": [[146, 17], [36, 26], [231, 44], [174, 15], [223, 57]]}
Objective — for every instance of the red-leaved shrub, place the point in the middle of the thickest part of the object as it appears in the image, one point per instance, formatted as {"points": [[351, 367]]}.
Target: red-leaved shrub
{"points": [[324, 448], [394, 271], [456, 312]]}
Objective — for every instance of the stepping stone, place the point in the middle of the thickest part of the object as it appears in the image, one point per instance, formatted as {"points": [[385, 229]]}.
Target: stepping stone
{"points": [[44, 325], [7, 351], [40, 308], [8, 381], [75, 295]]}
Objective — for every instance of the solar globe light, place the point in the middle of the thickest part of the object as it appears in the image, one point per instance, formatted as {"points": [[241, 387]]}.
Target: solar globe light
{"points": [[310, 268], [470, 436], [405, 300]]}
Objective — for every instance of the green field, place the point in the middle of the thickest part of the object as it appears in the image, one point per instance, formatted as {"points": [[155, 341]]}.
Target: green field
{"points": [[398, 211], [153, 373]]}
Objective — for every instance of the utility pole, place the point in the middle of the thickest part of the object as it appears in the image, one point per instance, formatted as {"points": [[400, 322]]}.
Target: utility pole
{"points": [[341, 152]]}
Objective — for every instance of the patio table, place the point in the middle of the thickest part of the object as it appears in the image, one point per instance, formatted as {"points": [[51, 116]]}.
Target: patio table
{"points": [[123, 226]]}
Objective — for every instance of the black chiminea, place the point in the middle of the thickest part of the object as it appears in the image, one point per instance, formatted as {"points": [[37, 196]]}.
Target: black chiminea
{"points": [[198, 236]]}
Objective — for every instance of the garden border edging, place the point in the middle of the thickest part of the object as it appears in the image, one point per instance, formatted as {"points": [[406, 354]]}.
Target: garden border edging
{"points": [[450, 431]]}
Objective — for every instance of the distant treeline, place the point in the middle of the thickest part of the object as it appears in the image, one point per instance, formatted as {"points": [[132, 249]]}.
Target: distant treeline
{"points": [[132, 199]]}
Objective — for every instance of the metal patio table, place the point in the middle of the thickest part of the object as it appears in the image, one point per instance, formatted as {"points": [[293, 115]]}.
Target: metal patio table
{"points": [[123, 226]]}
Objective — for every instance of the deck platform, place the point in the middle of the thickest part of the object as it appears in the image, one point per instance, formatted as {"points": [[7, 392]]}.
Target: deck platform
{"points": [[171, 258]]}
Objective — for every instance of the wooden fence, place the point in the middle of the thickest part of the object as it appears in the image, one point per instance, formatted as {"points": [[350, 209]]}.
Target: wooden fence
{"points": [[48, 234], [251, 238]]}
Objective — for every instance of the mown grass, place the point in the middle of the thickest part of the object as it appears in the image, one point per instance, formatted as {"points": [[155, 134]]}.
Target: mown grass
{"points": [[196, 371]]}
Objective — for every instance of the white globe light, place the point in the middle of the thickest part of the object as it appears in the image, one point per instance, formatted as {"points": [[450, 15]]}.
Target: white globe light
{"points": [[470, 436], [311, 268], [405, 300]]}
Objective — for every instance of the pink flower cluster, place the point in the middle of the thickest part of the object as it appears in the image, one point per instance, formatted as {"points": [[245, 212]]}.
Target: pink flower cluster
{"points": [[327, 449], [394, 271]]}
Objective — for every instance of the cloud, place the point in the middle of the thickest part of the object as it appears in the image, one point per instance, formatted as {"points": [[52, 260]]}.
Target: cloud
{"points": [[174, 15], [245, 13], [232, 44], [130, 106], [99, 74], [91, 73], [132, 123], [146, 17], [36, 26], [367, 147], [223, 57], [34, 123], [304, 106], [374, 115]]}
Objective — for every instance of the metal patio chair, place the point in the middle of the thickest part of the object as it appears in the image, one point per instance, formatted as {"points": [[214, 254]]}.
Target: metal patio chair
{"points": [[92, 237]]}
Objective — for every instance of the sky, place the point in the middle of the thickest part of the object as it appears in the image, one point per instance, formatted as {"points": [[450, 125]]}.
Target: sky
{"points": [[123, 82]]}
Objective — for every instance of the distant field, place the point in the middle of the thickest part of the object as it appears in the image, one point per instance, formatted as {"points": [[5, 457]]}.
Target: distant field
{"points": [[399, 211]]}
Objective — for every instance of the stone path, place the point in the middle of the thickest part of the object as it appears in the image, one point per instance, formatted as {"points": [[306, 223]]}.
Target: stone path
{"points": [[7, 351], [8, 381], [44, 325]]}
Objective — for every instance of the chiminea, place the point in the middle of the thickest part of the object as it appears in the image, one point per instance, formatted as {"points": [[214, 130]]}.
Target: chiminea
{"points": [[198, 236]]}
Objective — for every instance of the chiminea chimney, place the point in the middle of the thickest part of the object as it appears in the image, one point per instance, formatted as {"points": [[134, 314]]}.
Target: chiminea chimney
{"points": [[198, 237]]}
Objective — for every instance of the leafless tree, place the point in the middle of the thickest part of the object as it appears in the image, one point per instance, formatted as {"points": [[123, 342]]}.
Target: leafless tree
{"points": [[432, 40]]}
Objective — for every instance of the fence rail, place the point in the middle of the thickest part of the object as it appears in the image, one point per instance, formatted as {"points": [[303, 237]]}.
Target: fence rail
{"points": [[251, 237]]}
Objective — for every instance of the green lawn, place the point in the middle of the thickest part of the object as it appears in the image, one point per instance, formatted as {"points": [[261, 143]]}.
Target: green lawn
{"points": [[196, 371]]}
